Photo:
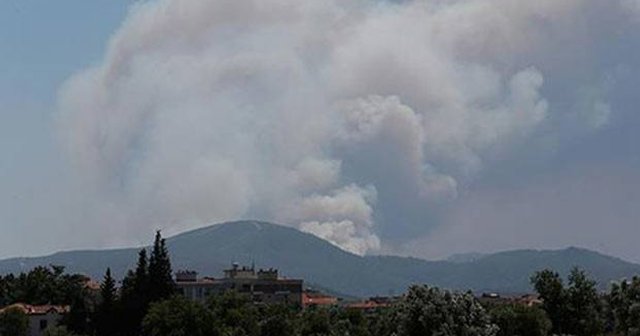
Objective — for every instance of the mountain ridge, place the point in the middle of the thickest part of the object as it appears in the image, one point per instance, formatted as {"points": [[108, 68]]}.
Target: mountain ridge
{"points": [[211, 249]]}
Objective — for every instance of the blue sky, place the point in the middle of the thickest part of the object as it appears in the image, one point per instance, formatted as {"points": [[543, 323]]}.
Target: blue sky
{"points": [[323, 116], [42, 43]]}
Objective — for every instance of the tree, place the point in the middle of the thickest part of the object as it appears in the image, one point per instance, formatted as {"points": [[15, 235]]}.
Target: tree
{"points": [[161, 285], [277, 320], [234, 313], [178, 316], [429, 311], [50, 285], [13, 322], [77, 320], [58, 331], [108, 292], [350, 322], [316, 321], [520, 320], [6, 289], [575, 310], [41, 285], [106, 319], [550, 288], [141, 275], [384, 322], [134, 296], [585, 305], [624, 304]]}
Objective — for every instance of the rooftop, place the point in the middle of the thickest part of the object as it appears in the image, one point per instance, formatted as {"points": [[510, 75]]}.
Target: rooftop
{"points": [[37, 310]]}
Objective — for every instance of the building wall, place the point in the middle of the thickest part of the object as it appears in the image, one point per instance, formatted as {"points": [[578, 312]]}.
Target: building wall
{"points": [[258, 290], [38, 323]]}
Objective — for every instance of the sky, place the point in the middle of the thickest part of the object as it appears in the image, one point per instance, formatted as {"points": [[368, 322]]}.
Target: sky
{"points": [[422, 127]]}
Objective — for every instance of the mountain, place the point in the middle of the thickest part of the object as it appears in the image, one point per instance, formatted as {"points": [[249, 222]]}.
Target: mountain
{"points": [[465, 257], [296, 254]]}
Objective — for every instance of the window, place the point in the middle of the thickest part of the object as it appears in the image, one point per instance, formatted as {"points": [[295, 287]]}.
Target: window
{"points": [[44, 324]]}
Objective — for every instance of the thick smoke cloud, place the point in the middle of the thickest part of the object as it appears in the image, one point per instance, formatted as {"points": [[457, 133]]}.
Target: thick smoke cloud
{"points": [[353, 120]]}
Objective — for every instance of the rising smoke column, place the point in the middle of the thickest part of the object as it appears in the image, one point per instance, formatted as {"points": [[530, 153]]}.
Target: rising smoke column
{"points": [[344, 118]]}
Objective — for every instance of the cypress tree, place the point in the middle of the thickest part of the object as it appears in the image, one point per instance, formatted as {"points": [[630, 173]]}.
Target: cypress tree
{"points": [[108, 290], [135, 296], [161, 285], [107, 319], [141, 277]]}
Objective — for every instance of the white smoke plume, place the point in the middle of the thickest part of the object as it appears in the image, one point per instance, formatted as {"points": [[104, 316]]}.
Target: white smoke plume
{"points": [[341, 117]]}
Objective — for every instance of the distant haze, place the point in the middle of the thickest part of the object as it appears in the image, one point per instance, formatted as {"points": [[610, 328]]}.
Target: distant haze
{"points": [[416, 127]]}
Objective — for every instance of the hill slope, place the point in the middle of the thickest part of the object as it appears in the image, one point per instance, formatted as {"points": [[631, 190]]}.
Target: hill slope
{"points": [[209, 250]]}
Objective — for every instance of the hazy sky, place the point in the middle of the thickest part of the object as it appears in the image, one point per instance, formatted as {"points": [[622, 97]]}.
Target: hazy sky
{"points": [[420, 128]]}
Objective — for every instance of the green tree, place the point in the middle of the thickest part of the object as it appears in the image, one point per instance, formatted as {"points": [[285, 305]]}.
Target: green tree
{"points": [[59, 331], [624, 304], [575, 310], [178, 316], [350, 322], [277, 320], [41, 285], [141, 276], [50, 285], [585, 305], [78, 318], [6, 289], [520, 320], [384, 322], [234, 313], [13, 322], [429, 311], [550, 288], [161, 285], [134, 297], [107, 319], [316, 321]]}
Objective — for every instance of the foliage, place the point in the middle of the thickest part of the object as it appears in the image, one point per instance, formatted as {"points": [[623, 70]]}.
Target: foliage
{"points": [[574, 310], [384, 322], [160, 279], [278, 320], [351, 322], [585, 305], [58, 331], [50, 285], [178, 316], [78, 319], [151, 281], [106, 312], [134, 298], [316, 322], [14, 322], [42, 285], [430, 311], [551, 289], [235, 313], [624, 304], [520, 320]]}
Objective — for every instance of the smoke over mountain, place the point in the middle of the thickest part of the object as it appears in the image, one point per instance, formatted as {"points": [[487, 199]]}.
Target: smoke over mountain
{"points": [[344, 118]]}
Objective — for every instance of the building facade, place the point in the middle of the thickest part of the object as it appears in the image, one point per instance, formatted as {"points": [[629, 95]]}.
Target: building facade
{"points": [[262, 286]]}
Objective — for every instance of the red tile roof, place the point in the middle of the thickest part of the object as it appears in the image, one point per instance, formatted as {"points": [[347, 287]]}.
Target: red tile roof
{"points": [[37, 310], [318, 299]]}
